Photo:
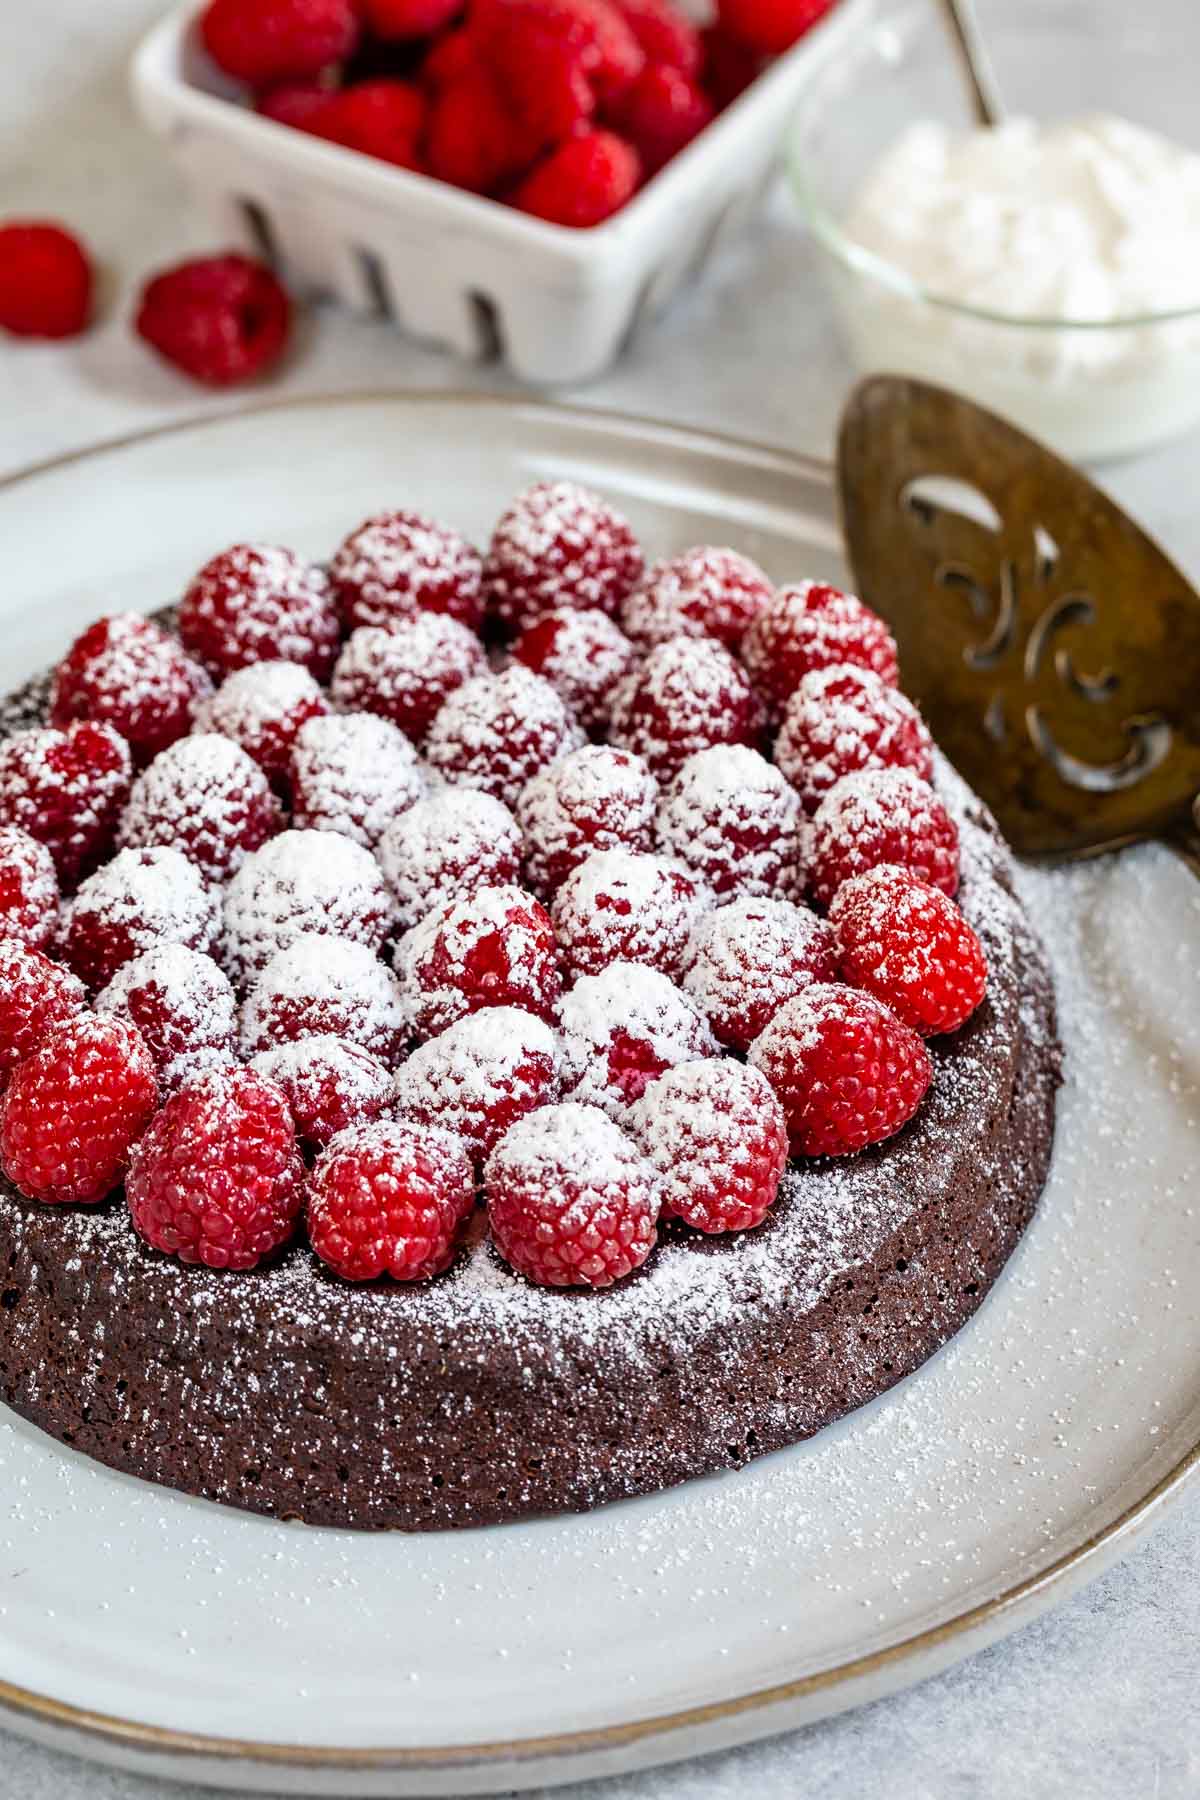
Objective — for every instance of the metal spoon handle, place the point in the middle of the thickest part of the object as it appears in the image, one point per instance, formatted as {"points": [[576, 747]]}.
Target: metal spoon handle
{"points": [[985, 94]]}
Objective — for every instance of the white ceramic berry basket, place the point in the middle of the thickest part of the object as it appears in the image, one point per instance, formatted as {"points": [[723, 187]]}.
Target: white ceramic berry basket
{"points": [[456, 270]]}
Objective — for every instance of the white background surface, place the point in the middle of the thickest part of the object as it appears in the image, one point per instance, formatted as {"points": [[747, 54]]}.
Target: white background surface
{"points": [[1101, 1698]]}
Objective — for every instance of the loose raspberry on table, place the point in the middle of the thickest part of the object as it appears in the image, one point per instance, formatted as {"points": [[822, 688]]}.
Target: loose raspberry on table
{"points": [[446, 846], [771, 26], [382, 118], [218, 1178], [582, 182], [139, 899], [353, 773], [731, 816], [688, 695], [747, 959], [572, 1201], [847, 1071], [493, 947], [481, 1075], [583, 656], [908, 944], [45, 280], [624, 906], [397, 565], [28, 889], [258, 603], [220, 319], [74, 1108], [814, 626], [329, 1082], [702, 592], [660, 115], [129, 673], [496, 731], [35, 996], [265, 41], [205, 797], [665, 34], [476, 138], [321, 987], [406, 672], [303, 881], [558, 545], [182, 1004], [881, 816], [845, 718], [621, 1030], [400, 20], [718, 1138], [390, 1199], [593, 799], [262, 707], [66, 789]]}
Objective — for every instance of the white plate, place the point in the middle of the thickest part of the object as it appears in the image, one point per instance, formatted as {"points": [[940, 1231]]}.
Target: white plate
{"points": [[181, 1638]]}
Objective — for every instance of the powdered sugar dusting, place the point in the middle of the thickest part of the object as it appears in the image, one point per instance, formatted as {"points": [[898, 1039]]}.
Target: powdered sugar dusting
{"points": [[622, 1028], [303, 881], [731, 815], [624, 905], [496, 731], [321, 986], [448, 844], [352, 773]]}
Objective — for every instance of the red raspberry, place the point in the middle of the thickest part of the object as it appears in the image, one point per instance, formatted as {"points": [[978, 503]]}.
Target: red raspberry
{"points": [[299, 104], [582, 182], [813, 627], [908, 944], [407, 673], [325, 986], [661, 113], [256, 603], [183, 1006], [847, 1072], [395, 20], [140, 899], [718, 1138], [748, 958], [45, 280], [476, 139], [28, 889], [583, 656], [381, 118], [881, 816], [264, 41], [733, 818], [221, 319], [262, 707], [447, 846], [218, 1178], [620, 906], [353, 773], [559, 545], [771, 26], [621, 1030], [593, 799], [35, 996], [486, 1071], [452, 55], [72, 1110], [665, 34], [131, 674], [688, 695], [700, 593], [555, 57], [390, 1199], [205, 797], [729, 67], [330, 1083], [571, 1200], [303, 881], [494, 947], [396, 565], [844, 718], [496, 731], [66, 789]]}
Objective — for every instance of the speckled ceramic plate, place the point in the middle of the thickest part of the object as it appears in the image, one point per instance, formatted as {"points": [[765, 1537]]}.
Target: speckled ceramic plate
{"points": [[179, 1638]]}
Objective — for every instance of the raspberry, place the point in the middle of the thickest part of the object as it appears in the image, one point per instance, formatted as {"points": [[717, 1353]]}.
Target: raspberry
{"points": [[352, 773], [66, 789], [140, 899], [453, 54], [486, 1071], [571, 1200], [665, 34], [733, 818], [908, 944], [718, 1138], [661, 113], [303, 881], [218, 1178], [496, 731], [325, 986], [390, 1199], [263, 41], [183, 1006], [688, 695], [881, 816], [583, 656], [558, 545], [729, 67], [74, 1108], [28, 889], [771, 26], [406, 673], [329, 1082], [844, 718], [555, 57], [475, 139], [131, 674], [262, 707], [381, 118], [620, 906], [593, 799], [35, 996], [257, 603], [848, 1073], [493, 947], [699, 593], [583, 182], [205, 797], [396, 565], [221, 319], [749, 958], [403, 19], [813, 627], [45, 280], [299, 104], [621, 1030], [446, 846]]}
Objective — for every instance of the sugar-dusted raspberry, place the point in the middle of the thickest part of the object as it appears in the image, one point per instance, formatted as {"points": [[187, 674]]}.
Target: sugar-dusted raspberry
{"points": [[446, 846], [45, 280], [264, 41], [718, 1138], [220, 319], [139, 899], [28, 889], [486, 1071], [131, 674], [847, 1071], [621, 1030], [665, 34], [661, 114], [258, 603], [74, 1108], [303, 881], [35, 995], [583, 656], [182, 1004], [582, 182], [390, 1198], [492, 947], [748, 958], [771, 26], [218, 1178], [881, 816], [688, 695], [262, 707], [66, 789], [204, 796], [405, 672], [703, 592], [496, 731], [908, 944], [572, 1201], [476, 138], [398, 564], [559, 545], [320, 986], [813, 626], [330, 1083], [624, 906], [594, 799], [733, 818], [383, 118], [353, 773], [844, 718]]}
